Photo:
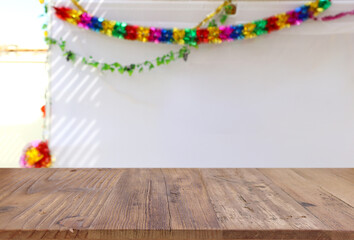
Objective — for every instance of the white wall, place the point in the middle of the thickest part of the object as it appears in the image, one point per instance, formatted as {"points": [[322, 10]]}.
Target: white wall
{"points": [[282, 100]]}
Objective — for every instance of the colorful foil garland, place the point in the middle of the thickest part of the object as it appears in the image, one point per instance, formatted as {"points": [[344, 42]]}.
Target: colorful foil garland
{"points": [[193, 36]]}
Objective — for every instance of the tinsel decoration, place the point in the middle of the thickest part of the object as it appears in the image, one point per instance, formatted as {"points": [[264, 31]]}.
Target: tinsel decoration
{"points": [[190, 36]]}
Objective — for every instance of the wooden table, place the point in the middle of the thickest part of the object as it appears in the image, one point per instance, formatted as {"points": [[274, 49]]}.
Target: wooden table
{"points": [[177, 204]]}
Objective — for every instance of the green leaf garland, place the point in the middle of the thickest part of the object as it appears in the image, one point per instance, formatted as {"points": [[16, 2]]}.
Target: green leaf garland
{"points": [[117, 67]]}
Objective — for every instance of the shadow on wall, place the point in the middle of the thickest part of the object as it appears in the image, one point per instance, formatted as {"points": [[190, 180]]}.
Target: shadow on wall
{"points": [[74, 137]]}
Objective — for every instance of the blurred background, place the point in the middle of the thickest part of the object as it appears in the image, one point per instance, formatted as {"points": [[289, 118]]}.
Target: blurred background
{"points": [[297, 112], [23, 77]]}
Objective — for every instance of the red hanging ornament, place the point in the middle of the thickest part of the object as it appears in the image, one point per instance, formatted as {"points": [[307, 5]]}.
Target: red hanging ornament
{"points": [[43, 111]]}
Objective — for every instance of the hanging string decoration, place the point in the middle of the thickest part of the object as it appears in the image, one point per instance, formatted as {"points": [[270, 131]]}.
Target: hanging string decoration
{"points": [[337, 16], [192, 36]]}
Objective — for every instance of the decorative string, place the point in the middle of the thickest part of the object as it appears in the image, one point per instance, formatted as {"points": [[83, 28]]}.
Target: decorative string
{"points": [[76, 3], [211, 15], [335, 17]]}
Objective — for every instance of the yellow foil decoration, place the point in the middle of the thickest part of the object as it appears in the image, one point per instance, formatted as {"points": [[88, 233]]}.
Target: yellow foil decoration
{"points": [[178, 35], [75, 16], [314, 7], [282, 21], [143, 34], [214, 33], [33, 156], [248, 30], [107, 27]]}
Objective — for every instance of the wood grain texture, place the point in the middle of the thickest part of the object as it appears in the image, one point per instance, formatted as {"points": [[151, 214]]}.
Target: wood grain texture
{"points": [[291, 204]]}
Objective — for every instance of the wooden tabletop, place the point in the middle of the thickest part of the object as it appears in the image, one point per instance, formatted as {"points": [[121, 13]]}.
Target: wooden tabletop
{"points": [[177, 204]]}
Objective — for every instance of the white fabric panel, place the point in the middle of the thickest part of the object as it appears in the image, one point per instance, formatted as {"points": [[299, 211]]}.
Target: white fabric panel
{"points": [[281, 100]]}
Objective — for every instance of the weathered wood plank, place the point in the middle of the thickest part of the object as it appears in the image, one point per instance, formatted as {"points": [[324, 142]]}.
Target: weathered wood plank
{"points": [[184, 186], [346, 173], [137, 201], [248, 200], [170, 204], [330, 182], [312, 195]]}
